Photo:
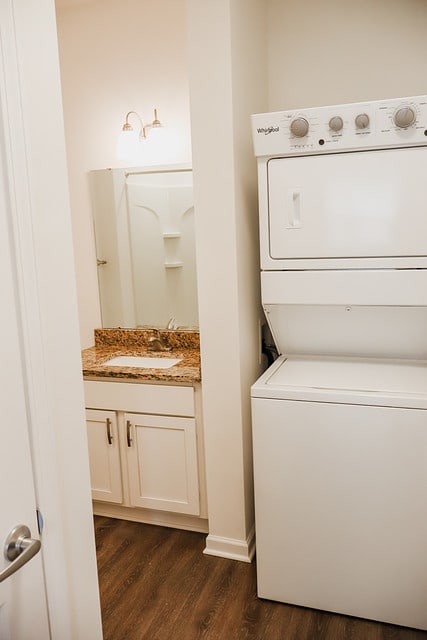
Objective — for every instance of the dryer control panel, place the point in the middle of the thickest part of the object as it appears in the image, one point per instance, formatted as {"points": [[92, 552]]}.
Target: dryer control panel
{"points": [[398, 122]]}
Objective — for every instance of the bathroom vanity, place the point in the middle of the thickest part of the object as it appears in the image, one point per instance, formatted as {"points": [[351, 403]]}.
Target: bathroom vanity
{"points": [[144, 425]]}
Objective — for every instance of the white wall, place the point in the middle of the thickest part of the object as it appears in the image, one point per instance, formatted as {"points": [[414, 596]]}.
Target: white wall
{"points": [[116, 56], [227, 83], [339, 51]]}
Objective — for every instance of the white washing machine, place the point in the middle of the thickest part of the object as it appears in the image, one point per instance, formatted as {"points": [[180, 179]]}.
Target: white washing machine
{"points": [[340, 419]]}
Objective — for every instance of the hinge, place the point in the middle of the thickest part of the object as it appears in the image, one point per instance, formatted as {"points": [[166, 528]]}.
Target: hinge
{"points": [[39, 520]]}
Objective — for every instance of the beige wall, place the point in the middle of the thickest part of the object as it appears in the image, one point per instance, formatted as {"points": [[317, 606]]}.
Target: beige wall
{"points": [[116, 56], [249, 59], [317, 54], [339, 51], [228, 83]]}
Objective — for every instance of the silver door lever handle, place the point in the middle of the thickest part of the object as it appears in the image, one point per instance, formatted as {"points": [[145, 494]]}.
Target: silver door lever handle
{"points": [[19, 547]]}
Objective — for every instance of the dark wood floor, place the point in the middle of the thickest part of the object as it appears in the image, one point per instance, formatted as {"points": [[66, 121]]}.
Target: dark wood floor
{"points": [[156, 584]]}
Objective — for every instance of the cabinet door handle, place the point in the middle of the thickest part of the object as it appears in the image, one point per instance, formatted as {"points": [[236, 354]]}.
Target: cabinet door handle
{"points": [[109, 436], [128, 432]]}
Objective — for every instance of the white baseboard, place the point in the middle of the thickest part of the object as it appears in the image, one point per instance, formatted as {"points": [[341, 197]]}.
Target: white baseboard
{"points": [[232, 548], [149, 516]]}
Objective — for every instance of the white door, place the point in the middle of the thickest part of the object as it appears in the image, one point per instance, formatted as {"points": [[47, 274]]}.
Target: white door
{"points": [[23, 610], [32, 165], [348, 205]]}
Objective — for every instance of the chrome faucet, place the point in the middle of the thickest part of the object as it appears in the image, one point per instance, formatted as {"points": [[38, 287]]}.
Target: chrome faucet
{"points": [[155, 343], [171, 324]]}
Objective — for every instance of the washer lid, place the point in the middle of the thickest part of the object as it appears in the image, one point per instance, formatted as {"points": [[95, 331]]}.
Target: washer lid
{"points": [[370, 381]]}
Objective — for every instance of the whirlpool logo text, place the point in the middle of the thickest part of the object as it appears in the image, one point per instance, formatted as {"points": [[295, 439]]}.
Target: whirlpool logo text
{"points": [[267, 130]]}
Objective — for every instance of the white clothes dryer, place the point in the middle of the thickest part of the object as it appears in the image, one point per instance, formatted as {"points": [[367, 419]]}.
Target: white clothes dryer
{"points": [[340, 419]]}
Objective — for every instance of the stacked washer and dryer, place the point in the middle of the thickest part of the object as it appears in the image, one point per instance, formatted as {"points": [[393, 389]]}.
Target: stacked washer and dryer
{"points": [[340, 418]]}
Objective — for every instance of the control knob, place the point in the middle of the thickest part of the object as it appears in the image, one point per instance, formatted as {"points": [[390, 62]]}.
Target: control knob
{"points": [[404, 117], [336, 123], [362, 121], [299, 127]]}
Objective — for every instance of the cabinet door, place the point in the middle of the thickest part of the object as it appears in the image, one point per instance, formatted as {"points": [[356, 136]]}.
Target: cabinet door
{"points": [[162, 463], [104, 456]]}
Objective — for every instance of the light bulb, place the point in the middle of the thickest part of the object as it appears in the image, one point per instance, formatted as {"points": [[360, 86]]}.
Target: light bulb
{"points": [[157, 143], [128, 146]]}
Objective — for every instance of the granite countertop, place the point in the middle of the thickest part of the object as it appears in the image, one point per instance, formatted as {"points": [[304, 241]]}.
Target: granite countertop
{"points": [[110, 343]]}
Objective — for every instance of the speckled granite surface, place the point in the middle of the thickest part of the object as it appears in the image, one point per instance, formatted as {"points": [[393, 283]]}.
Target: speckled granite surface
{"points": [[110, 343]]}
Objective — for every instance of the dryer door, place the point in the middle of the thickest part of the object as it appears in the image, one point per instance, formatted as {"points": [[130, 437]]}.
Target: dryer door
{"points": [[349, 205]]}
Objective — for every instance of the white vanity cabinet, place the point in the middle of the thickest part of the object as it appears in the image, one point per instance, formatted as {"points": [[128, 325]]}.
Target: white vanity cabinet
{"points": [[146, 451], [104, 456]]}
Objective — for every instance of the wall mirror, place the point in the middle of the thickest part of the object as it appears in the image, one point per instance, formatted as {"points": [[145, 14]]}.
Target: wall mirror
{"points": [[145, 247]]}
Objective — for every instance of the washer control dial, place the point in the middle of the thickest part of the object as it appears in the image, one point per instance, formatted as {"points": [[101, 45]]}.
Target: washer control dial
{"points": [[299, 127], [336, 123], [404, 117], [362, 121]]}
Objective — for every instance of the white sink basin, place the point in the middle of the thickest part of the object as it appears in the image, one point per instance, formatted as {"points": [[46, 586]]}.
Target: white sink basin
{"points": [[143, 362]]}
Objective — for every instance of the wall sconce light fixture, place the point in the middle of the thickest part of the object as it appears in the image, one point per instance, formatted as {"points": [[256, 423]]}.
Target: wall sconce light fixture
{"points": [[129, 144]]}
